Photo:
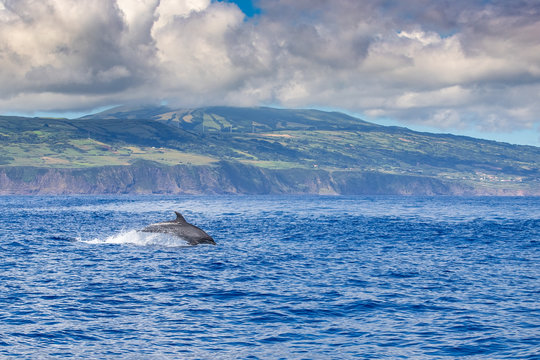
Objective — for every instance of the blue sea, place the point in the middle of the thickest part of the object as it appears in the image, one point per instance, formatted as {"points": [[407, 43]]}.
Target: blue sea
{"points": [[305, 277]]}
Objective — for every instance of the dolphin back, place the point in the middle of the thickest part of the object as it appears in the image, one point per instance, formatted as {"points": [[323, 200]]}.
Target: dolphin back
{"points": [[181, 228]]}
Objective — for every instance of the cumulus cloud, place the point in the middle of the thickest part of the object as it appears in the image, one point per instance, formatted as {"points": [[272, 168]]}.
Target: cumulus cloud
{"points": [[451, 65]]}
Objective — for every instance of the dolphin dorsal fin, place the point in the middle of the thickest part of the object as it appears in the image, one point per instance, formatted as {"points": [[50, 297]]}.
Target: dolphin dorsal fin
{"points": [[179, 218]]}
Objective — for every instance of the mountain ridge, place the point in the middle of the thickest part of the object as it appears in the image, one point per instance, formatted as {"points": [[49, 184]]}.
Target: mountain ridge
{"points": [[157, 112], [270, 139]]}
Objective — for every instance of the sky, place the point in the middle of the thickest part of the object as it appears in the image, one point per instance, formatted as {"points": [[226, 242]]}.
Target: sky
{"points": [[467, 67]]}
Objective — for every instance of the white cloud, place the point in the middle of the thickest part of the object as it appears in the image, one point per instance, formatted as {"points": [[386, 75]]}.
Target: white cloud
{"points": [[193, 51], [170, 10], [463, 64], [454, 96]]}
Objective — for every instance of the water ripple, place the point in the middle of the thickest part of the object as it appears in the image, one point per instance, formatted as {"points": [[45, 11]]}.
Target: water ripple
{"points": [[291, 278]]}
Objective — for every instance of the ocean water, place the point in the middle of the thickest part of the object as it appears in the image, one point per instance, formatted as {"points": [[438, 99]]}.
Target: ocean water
{"points": [[290, 278]]}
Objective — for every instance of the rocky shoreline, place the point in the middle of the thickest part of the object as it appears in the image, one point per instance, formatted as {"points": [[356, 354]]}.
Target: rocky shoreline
{"points": [[231, 178]]}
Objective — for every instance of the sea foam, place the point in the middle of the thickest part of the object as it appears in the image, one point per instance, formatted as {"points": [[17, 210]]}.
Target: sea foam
{"points": [[139, 238]]}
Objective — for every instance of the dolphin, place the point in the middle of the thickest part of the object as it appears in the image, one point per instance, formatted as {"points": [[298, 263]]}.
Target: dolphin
{"points": [[181, 228]]}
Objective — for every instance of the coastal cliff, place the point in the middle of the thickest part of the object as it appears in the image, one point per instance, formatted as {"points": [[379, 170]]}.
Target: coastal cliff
{"points": [[227, 178], [224, 150]]}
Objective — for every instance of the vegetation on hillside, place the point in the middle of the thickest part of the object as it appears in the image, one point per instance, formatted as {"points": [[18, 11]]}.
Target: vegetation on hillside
{"points": [[262, 137]]}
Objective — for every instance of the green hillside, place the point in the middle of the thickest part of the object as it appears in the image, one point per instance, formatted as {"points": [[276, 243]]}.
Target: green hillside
{"points": [[262, 137]]}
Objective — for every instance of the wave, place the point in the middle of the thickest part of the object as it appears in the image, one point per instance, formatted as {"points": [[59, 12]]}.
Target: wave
{"points": [[134, 237]]}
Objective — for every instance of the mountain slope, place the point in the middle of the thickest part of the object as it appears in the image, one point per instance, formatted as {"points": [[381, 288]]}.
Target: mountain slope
{"points": [[273, 139]]}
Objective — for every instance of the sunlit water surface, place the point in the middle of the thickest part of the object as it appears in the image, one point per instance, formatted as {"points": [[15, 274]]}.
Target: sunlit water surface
{"points": [[291, 277]]}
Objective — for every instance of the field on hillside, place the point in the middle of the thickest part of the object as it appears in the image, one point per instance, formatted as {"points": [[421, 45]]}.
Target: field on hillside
{"points": [[267, 138]]}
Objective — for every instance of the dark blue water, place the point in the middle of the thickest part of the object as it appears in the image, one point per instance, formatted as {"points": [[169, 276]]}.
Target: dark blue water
{"points": [[291, 278]]}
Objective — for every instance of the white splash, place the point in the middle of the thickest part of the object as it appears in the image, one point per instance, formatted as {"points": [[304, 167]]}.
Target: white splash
{"points": [[135, 237]]}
